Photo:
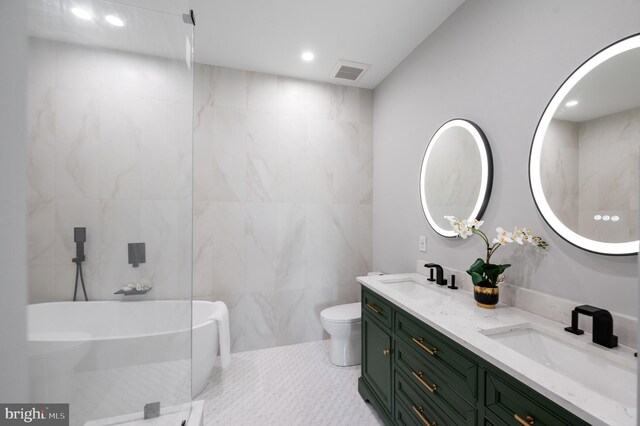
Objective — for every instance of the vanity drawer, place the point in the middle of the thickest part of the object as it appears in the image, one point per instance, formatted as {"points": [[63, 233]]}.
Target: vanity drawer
{"points": [[412, 409], [434, 386], [378, 307], [518, 406], [460, 372]]}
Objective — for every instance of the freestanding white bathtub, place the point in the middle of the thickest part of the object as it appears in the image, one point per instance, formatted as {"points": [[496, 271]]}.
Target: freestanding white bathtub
{"points": [[111, 358]]}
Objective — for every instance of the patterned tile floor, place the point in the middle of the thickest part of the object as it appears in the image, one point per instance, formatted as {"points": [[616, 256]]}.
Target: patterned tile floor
{"points": [[286, 386]]}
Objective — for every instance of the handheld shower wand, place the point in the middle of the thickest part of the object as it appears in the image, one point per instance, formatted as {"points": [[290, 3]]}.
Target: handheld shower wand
{"points": [[79, 237]]}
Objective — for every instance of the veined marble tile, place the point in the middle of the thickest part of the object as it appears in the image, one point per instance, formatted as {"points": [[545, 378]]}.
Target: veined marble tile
{"points": [[179, 82], [78, 67], [203, 84], [332, 161], [614, 164], [166, 153], [119, 225], [260, 247], [41, 283], [131, 74], [292, 154], [203, 248], [41, 232], [349, 293], [332, 241], [366, 106], [262, 92], [291, 233], [72, 213], [290, 313], [365, 161], [316, 300], [229, 258], [292, 96], [229, 88], [251, 320], [320, 102], [41, 137], [41, 67], [165, 228], [229, 155], [345, 103], [77, 144], [203, 153], [262, 157], [128, 124], [365, 243]]}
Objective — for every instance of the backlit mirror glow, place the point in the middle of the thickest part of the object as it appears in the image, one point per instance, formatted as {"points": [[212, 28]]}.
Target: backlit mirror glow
{"points": [[584, 160], [456, 175]]}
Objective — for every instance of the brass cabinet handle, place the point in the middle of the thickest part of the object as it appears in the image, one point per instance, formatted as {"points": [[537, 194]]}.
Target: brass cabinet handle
{"points": [[431, 388], [420, 412], [386, 352], [525, 422], [374, 308], [420, 342]]}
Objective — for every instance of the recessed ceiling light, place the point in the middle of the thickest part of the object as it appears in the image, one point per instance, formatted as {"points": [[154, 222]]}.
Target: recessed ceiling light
{"points": [[571, 103], [81, 13], [308, 56], [114, 20]]}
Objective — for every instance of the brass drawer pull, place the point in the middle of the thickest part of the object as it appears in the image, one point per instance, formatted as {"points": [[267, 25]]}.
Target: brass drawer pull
{"points": [[374, 308], [524, 422], [420, 412], [420, 342], [431, 388], [386, 352]]}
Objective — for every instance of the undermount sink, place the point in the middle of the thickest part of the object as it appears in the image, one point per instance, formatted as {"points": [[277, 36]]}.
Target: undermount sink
{"points": [[418, 291], [582, 362]]}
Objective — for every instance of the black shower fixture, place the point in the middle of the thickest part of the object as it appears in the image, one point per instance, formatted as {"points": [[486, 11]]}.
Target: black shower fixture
{"points": [[137, 254], [79, 237]]}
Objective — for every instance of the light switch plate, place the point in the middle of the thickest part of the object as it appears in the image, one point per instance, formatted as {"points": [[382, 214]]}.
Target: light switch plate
{"points": [[422, 243]]}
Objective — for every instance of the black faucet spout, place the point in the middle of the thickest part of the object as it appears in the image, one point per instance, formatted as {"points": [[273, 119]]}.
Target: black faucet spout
{"points": [[602, 325], [440, 280]]}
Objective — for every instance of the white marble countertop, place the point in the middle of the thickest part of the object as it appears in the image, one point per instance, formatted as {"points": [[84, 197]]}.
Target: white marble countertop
{"points": [[456, 315]]}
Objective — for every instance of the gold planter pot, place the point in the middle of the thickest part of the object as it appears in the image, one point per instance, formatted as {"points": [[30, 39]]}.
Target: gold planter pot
{"points": [[486, 297]]}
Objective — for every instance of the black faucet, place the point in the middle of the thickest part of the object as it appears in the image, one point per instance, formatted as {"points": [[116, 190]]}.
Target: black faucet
{"points": [[439, 273], [602, 325]]}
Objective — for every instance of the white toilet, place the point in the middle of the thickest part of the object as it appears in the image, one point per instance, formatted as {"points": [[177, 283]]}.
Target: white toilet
{"points": [[342, 322]]}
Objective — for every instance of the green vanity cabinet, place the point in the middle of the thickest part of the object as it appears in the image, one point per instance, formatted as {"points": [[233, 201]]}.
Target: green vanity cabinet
{"points": [[415, 375]]}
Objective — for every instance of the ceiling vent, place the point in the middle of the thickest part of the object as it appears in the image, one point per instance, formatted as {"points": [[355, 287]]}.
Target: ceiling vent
{"points": [[350, 71]]}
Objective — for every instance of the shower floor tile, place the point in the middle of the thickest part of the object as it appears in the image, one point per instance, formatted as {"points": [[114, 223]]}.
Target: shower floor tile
{"points": [[285, 386]]}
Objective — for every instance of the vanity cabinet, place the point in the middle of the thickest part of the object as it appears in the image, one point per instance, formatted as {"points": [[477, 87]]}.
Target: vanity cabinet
{"points": [[414, 375]]}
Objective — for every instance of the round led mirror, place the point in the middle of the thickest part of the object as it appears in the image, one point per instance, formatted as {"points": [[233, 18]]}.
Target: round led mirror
{"points": [[583, 167], [456, 175]]}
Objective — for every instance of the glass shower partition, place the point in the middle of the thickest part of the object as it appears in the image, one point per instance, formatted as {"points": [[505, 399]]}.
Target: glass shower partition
{"points": [[110, 88]]}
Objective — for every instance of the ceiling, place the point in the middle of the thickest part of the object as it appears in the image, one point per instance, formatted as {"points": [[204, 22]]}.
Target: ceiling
{"points": [[255, 35], [270, 35]]}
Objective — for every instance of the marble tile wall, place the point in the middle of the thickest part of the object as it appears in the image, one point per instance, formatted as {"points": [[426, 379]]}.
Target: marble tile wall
{"points": [[110, 148], [591, 168], [608, 176], [559, 170], [282, 200]]}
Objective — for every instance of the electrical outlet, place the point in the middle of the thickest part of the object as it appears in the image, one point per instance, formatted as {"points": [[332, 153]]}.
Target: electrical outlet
{"points": [[422, 243]]}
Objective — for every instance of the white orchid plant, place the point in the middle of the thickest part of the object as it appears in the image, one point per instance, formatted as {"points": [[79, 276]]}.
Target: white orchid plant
{"points": [[483, 272]]}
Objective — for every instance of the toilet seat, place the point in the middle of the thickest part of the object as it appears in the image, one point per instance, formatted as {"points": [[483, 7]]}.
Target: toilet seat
{"points": [[343, 314]]}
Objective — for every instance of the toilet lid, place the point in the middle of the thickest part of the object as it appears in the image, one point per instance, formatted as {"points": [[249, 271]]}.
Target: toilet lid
{"points": [[342, 313]]}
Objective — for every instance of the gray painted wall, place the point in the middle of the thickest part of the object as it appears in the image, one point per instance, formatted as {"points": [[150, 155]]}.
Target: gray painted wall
{"points": [[497, 63], [13, 212]]}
